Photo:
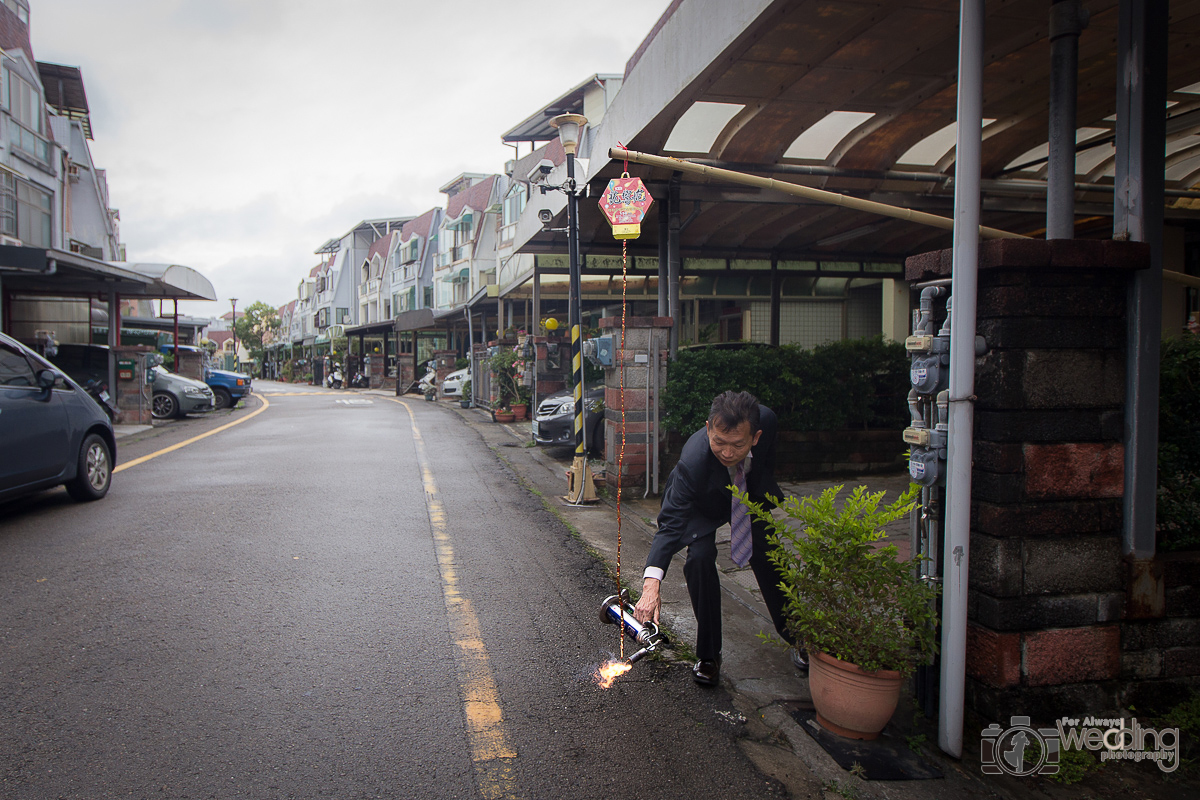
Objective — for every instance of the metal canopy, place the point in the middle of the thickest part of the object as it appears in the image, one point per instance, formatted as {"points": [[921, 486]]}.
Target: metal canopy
{"points": [[52, 272], [856, 97], [64, 91]]}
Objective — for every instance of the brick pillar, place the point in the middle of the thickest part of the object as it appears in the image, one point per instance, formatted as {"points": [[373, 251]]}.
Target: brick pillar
{"points": [[1047, 581], [132, 395], [644, 336]]}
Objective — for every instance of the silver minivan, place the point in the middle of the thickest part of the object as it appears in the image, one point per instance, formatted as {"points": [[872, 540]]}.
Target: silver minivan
{"points": [[175, 395]]}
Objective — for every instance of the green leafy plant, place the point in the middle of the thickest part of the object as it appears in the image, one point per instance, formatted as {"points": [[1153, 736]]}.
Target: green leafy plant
{"points": [[1186, 717], [1073, 765], [1179, 445], [846, 594], [504, 376]]}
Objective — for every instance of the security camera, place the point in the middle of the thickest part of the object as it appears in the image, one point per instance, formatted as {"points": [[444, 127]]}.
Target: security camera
{"points": [[540, 171], [545, 215]]}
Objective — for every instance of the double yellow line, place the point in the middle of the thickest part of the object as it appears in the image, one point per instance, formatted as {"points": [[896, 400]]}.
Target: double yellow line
{"points": [[493, 754]]}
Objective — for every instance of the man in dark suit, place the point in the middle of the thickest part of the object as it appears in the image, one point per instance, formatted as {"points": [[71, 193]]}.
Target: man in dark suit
{"points": [[735, 447]]}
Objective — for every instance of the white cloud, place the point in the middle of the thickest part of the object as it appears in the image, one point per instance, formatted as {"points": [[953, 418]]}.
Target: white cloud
{"points": [[239, 135]]}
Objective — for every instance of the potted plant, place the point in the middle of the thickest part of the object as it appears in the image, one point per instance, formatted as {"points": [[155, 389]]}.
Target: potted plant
{"points": [[464, 399], [520, 406], [504, 379], [866, 618]]}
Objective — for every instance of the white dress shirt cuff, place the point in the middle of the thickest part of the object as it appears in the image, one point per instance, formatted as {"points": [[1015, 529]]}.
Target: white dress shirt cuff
{"points": [[654, 572]]}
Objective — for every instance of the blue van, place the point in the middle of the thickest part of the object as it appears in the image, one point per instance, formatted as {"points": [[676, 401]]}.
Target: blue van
{"points": [[228, 387]]}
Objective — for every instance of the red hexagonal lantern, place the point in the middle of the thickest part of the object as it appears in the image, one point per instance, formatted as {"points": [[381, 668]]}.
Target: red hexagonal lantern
{"points": [[625, 202]]}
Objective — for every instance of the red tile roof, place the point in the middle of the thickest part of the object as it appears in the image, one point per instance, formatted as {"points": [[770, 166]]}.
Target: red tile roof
{"points": [[419, 226], [14, 34], [220, 337], [381, 246], [475, 197]]}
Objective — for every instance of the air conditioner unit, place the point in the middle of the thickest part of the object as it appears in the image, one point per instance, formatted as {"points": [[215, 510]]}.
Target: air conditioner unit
{"points": [[73, 172]]}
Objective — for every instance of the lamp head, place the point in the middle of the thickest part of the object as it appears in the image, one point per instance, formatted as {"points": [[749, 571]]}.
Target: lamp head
{"points": [[569, 126]]}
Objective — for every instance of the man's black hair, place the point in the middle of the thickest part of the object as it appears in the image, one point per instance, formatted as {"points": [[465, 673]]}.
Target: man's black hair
{"points": [[731, 409]]}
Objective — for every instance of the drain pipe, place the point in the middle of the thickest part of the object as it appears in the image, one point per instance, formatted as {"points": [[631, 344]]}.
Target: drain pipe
{"points": [[962, 377]]}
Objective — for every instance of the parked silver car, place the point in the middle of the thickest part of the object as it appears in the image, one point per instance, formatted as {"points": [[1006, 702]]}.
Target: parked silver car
{"points": [[51, 431], [175, 395]]}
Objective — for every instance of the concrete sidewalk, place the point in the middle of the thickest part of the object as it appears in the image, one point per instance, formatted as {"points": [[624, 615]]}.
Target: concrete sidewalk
{"points": [[765, 686]]}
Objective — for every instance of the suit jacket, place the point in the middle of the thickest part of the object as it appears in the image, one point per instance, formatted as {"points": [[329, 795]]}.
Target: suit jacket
{"points": [[697, 499]]}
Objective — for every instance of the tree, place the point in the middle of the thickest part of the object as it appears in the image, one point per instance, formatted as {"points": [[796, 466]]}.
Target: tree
{"points": [[257, 320]]}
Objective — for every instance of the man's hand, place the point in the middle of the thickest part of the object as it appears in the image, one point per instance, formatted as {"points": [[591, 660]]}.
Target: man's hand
{"points": [[649, 604]]}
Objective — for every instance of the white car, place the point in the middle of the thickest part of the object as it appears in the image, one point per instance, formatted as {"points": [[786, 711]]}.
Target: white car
{"points": [[452, 385]]}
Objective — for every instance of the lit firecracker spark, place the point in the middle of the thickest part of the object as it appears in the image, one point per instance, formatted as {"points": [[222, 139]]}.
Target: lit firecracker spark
{"points": [[609, 671]]}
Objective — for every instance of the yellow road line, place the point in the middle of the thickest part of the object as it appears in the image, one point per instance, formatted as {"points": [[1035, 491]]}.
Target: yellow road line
{"points": [[487, 736], [266, 404]]}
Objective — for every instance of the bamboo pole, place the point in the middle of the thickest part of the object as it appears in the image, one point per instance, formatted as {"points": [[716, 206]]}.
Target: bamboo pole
{"points": [[819, 195], [1179, 277]]}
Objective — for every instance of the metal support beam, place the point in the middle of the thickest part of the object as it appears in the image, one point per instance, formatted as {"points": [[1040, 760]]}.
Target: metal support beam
{"points": [[114, 331], [674, 259], [776, 296], [1067, 21], [663, 270], [1138, 216]]}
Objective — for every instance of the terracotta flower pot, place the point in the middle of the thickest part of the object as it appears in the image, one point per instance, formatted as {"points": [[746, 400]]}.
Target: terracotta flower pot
{"points": [[504, 416], [850, 702], [519, 410]]}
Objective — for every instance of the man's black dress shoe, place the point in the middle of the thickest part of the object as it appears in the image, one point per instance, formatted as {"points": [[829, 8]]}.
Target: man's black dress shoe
{"points": [[707, 673], [800, 659]]}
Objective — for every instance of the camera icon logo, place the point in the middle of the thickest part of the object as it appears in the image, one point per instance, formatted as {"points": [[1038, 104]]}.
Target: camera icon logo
{"points": [[1020, 749]]}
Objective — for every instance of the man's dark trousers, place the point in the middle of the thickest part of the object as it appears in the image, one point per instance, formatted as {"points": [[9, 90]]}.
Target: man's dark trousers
{"points": [[704, 587]]}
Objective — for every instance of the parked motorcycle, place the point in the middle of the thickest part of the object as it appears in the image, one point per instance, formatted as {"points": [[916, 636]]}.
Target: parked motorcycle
{"points": [[428, 382], [334, 379], [99, 392], [359, 381]]}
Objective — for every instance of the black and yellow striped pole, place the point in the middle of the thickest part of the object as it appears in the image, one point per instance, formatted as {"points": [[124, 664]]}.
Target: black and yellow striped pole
{"points": [[580, 486]]}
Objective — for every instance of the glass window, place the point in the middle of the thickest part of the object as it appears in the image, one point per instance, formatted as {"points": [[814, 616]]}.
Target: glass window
{"points": [[8, 204], [33, 215], [14, 369], [24, 103]]}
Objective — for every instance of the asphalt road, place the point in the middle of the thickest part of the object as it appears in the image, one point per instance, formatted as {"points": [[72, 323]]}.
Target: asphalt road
{"points": [[332, 599]]}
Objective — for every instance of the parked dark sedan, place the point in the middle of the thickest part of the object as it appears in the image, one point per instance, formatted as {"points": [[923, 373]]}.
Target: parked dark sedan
{"points": [[51, 431], [554, 420]]}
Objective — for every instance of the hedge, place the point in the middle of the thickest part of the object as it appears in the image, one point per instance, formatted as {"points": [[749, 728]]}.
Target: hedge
{"points": [[1179, 445], [853, 383]]}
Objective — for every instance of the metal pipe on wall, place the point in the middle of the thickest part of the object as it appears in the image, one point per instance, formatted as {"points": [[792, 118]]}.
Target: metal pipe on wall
{"points": [[962, 376], [1138, 216]]}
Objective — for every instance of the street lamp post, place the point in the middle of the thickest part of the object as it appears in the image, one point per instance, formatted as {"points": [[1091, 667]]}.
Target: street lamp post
{"points": [[233, 302], [580, 487]]}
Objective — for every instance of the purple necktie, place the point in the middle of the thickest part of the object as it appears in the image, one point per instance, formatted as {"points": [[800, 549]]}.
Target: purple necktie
{"points": [[740, 544]]}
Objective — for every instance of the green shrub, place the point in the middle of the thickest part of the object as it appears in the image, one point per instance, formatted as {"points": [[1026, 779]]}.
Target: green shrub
{"points": [[854, 383], [845, 592], [1179, 445]]}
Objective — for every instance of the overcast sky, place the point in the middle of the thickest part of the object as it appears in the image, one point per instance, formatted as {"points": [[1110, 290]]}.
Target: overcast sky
{"points": [[239, 135]]}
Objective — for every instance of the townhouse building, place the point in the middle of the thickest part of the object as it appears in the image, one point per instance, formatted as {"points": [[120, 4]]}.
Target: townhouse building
{"points": [[52, 194], [413, 261], [467, 238]]}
